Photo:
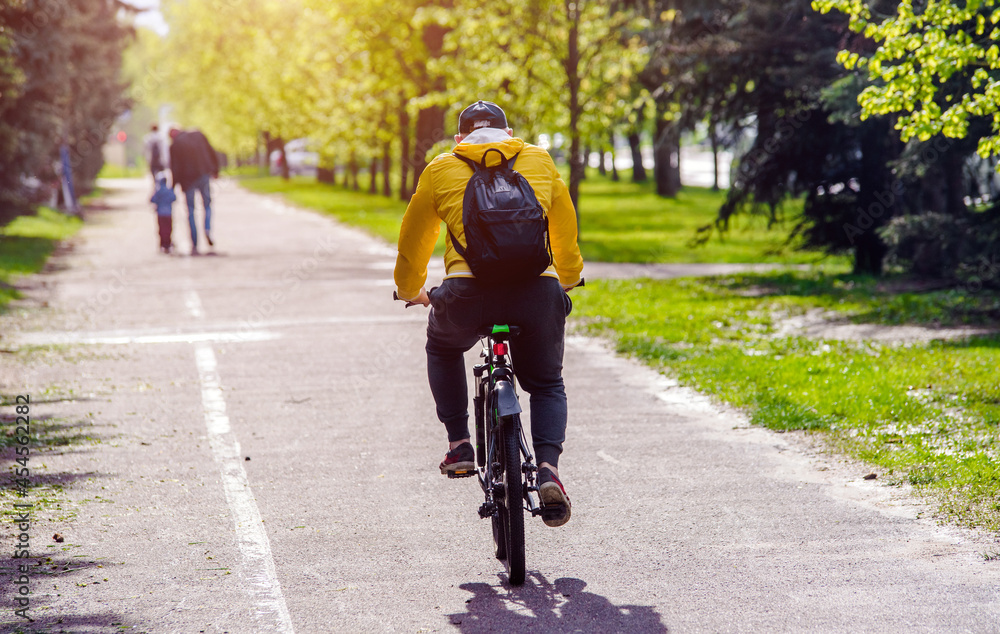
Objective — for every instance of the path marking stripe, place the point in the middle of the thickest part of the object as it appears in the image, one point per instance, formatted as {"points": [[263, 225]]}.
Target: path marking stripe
{"points": [[68, 338], [224, 332], [264, 587], [193, 303]]}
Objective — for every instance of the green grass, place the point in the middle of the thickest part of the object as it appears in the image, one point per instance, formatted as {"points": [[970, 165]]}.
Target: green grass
{"points": [[27, 242], [620, 222], [124, 171], [628, 222], [378, 215], [927, 414], [244, 171]]}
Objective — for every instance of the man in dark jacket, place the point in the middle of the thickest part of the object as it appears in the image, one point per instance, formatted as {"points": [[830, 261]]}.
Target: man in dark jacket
{"points": [[193, 162]]}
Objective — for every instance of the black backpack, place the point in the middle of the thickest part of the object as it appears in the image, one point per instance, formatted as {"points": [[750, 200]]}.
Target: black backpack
{"points": [[506, 229]]}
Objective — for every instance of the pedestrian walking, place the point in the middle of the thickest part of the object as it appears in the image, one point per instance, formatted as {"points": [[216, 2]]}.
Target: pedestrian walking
{"points": [[163, 199], [155, 150], [193, 162]]}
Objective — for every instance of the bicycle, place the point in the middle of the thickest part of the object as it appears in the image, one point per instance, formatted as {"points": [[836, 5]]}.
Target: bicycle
{"points": [[504, 465]]}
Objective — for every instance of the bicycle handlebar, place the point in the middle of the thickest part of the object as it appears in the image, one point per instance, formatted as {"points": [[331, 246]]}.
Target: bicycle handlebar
{"points": [[396, 297]]}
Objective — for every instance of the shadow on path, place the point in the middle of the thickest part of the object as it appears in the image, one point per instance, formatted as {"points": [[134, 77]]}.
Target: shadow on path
{"points": [[540, 606], [42, 577]]}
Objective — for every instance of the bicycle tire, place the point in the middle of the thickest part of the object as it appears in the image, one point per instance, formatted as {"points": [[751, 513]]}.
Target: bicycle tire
{"points": [[495, 475], [513, 507]]}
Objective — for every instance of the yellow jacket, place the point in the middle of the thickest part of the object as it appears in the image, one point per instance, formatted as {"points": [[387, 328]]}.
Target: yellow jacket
{"points": [[439, 196]]}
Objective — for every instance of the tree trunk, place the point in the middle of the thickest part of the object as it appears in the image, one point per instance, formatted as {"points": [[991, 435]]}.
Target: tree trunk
{"points": [[353, 169], [601, 167], [430, 130], [386, 168], [634, 140], [572, 67], [283, 160], [614, 169], [714, 138], [430, 121], [638, 169], [666, 156], [373, 173], [953, 164], [875, 206], [404, 154]]}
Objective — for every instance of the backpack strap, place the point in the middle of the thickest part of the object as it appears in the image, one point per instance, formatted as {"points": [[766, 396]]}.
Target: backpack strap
{"points": [[504, 161], [476, 166], [468, 162]]}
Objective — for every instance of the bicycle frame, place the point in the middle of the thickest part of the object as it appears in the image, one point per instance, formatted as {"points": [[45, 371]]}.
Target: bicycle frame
{"points": [[499, 436]]}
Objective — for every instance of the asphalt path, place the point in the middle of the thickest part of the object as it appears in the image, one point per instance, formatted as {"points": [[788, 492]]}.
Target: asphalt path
{"points": [[253, 449]]}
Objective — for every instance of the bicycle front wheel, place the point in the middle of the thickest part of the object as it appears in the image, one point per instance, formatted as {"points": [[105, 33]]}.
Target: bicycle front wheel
{"points": [[513, 505]]}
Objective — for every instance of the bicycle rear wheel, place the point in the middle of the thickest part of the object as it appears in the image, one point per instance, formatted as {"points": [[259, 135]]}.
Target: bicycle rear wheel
{"points": [[513, 499], [496, 483]]}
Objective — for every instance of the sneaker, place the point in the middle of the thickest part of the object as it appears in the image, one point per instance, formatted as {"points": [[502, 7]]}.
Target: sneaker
{"points": [[552, 494], [460, 462], [208, 238]]}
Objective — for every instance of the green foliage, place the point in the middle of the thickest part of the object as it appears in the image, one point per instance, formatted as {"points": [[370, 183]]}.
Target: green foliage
{"points": [[59, 83], [922, 48], [352, 73], [927, 412]]}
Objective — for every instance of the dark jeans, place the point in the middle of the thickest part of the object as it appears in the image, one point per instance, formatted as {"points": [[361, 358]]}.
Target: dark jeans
{"points": [[166, 225], [199, 186], [458, 308]]}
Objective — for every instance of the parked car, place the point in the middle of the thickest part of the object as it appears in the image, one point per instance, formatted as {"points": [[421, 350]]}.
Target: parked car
{"points": [[301, 161]]}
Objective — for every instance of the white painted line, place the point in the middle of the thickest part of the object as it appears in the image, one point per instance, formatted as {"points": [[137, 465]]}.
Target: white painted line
{"points": [[247, 331], [604, 456], [45, 339], [193, 303], [264, 587]]}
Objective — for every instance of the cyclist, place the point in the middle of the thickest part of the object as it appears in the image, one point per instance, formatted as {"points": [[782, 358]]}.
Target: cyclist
{"points": [[461, 305]]}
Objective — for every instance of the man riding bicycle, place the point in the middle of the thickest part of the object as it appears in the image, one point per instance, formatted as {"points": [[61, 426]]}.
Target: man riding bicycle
{"points": [[462, 304]]}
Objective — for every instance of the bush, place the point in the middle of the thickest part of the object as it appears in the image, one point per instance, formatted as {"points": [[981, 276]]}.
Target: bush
{"points": [[965, 249]]}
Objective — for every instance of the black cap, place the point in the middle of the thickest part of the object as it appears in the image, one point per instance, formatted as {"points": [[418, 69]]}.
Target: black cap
{"points": [[481, 111]]}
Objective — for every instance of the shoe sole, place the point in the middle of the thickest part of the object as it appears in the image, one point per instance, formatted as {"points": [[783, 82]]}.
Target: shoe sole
{"points": [[459, 470], [551, 495]]}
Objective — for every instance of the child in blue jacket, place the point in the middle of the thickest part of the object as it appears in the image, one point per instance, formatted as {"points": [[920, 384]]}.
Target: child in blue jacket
{"points": [[164, 198]]}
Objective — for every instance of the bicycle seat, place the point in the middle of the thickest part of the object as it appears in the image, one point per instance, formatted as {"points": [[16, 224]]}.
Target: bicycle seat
{"points": [[499, 332]]}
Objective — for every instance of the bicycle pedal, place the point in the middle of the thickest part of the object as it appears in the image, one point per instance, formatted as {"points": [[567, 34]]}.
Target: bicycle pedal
{"points": [[461, 474]]}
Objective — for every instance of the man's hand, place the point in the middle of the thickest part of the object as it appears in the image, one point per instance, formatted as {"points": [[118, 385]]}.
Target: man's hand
{"points": [[421, 299]]}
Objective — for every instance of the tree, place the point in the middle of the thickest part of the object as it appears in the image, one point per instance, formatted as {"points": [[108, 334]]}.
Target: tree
{"points": [[567, 67], [932, 68], [59, 65], [922, 47]]}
